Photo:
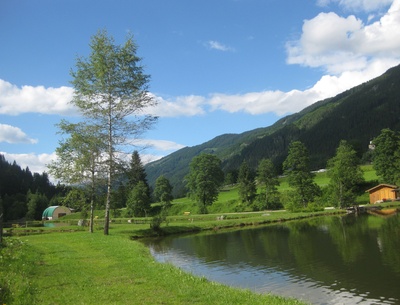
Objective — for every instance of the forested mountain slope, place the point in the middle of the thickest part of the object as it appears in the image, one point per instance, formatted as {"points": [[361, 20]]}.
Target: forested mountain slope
{"points": [[356, 115]]}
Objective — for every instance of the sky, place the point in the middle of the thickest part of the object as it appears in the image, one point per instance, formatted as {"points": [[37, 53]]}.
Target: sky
{"points": [[216, 66]]}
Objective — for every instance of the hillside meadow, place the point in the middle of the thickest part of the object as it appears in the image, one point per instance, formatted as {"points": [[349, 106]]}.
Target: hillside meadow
{"points": [[67, 265]]}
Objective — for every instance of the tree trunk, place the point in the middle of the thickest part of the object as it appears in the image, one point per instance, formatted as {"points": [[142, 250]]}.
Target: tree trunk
{"points": [[92, 204], [110, 166], [1, 228], [107, 214]]}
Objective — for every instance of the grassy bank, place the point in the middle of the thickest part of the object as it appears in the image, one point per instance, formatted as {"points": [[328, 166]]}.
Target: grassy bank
{"points": [[176, 224], [67, 265], [83, 268]]}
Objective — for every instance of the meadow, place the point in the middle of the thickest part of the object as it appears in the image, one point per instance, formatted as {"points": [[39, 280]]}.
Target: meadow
{"points": [[84, 268], [68, 265]]}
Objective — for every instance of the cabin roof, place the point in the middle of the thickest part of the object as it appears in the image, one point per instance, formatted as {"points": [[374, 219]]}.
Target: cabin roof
{"points": [[394, 187]]}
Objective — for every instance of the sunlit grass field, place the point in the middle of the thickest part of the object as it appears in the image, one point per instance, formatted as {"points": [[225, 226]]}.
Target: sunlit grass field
{"points": [[68, 265], [84, 268]]}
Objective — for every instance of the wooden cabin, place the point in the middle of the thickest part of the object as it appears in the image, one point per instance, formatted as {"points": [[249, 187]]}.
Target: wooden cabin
{"points": [[383, 192]]}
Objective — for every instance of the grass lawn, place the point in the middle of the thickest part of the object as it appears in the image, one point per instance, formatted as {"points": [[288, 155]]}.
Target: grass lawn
{"points": [[68, 265], [84, 268]]}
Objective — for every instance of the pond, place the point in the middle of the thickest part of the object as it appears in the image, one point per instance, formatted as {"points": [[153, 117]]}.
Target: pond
{"points": [[327, 260]]}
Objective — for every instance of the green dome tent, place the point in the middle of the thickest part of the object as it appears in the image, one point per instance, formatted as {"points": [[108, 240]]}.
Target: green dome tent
{"points": [[55, 212]]}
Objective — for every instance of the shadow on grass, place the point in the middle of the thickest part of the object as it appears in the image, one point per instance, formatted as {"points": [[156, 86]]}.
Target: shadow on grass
{"points": [[167, 230]]}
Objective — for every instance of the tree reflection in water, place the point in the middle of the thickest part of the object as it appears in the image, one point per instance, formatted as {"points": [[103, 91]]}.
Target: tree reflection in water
{"points": [[324, 260]]}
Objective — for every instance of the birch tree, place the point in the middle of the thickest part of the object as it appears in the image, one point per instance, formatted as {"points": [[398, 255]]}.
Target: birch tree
{"points": [[80, 159], [111, 92]]}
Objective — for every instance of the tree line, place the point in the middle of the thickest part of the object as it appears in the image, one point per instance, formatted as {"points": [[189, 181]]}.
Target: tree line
{"points": [[24, 194], [111, 95], [356, 115], [258, 190]]}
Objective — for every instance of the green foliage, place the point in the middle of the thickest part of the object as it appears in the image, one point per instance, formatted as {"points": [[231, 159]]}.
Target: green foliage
{"points": [[138, 203], [300, 178], [79, 154], [292, 202], [76, 199], [119, 197], [111, 93], [15, 183], [136, 171], [163, 191], [159, 219], [204, 180], [1, 223], [247, 185], [230, 178], [268, 178], [271, 201], [345, 174], [37, 203], [386, 156], [356, 115]]}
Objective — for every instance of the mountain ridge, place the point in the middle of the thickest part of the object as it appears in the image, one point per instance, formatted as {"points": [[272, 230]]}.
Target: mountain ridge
{"points": [[356, 115]]}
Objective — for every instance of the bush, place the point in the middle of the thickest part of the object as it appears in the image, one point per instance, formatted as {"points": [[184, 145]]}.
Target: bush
{"points": [[272, 203], [292, 202], [157, 220]]}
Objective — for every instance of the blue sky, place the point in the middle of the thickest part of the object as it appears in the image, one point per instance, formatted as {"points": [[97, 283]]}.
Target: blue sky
{"points": [[216, 66]]}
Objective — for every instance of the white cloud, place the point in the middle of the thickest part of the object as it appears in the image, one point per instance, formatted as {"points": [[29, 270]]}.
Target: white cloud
{"points": [[215, 45], [180, 106], [340, 44], [15, 100], [37, 163], [13, 135], [350, 51], [159, 145], [357, 5]]}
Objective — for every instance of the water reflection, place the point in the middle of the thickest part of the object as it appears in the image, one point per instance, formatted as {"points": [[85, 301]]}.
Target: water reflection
{"points": [[346, 260]]}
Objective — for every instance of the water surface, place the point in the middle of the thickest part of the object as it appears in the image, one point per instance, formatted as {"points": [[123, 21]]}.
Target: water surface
{"points": [[326, 260]]}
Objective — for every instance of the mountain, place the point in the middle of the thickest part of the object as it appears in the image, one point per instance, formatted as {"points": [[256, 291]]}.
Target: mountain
{"points": [[356, 115]]}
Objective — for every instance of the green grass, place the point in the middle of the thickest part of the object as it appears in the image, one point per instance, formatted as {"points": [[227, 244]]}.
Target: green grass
{"points": [[228, 198], [83, 268], [16, 270], [369, 173], [67, 265]]}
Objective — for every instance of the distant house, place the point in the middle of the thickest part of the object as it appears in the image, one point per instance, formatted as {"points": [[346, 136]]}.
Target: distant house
{"points": [[383, 192], [54, 212]]}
